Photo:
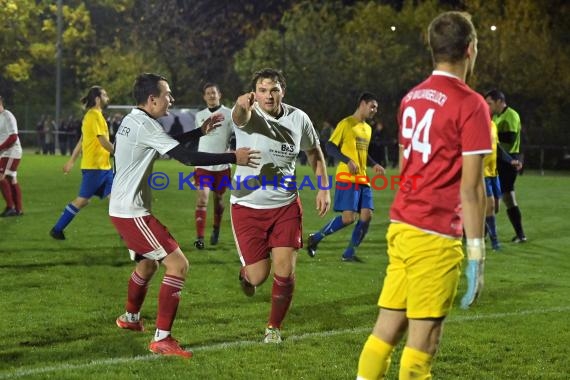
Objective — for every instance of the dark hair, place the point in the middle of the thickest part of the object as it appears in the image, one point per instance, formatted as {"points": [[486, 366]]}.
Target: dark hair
{"points": [[146, 84], [495, 95], [268, 73], [366, 97], [208, 85], [88, 100], [449, 36]]}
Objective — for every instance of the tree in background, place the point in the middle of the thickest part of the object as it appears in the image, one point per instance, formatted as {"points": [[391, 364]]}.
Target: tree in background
{"points": [[330, 50]]}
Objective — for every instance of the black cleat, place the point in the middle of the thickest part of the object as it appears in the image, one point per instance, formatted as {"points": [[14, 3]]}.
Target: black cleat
{"points": [[312, 245], [57, 235], [9, 212], [519, 239], [352, 259], [199, 243], [247, 288], [215, 236]]}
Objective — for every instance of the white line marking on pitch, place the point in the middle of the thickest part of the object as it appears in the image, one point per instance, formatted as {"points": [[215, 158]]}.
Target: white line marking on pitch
{"points": [[241, 343]]}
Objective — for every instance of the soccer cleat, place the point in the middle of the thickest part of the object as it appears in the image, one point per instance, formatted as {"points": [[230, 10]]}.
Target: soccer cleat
{"points": [[312, 244], [495, 245], [215, 236], [9, 212], [519, 239], [199, 243], [170, 347], [247, 288], [351, 259], [474, 274], [272, 335], [57, 235], [123, 323]]}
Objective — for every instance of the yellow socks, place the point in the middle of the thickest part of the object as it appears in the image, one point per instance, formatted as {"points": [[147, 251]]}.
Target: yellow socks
{"points": [[415, 365], [374, 359]]}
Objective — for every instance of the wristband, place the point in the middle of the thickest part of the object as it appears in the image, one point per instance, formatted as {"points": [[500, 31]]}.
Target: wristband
{"points": [[476, 249]]}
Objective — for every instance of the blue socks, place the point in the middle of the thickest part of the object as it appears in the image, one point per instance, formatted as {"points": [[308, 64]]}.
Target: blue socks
{"points": [[358, 235], [66, 217], [332, 226], [491, 226]]}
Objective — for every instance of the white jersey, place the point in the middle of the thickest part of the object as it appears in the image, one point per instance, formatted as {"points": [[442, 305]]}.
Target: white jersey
{"points": [[271, 185], [218, 140], [138, 141], [9, 126]]}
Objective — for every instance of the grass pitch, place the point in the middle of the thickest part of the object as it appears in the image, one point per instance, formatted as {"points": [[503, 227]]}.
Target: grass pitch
{"points": [[59, 300]]}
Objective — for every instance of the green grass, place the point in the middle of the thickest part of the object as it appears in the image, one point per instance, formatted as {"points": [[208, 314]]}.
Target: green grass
{"points": [[59, 300]]}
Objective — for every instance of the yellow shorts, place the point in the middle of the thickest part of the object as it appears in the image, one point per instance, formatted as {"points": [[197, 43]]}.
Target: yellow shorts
{"points": [[422, 274]]}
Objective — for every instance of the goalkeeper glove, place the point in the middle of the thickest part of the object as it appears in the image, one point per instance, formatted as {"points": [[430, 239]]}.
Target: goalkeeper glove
{"points": [[474, 271]]}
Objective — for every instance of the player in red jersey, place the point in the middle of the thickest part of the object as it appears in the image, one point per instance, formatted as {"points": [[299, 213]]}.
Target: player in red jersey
{"points": [[10, 156], [443, 134]]}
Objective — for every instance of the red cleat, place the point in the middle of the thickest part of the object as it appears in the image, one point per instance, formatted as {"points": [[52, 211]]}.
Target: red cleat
{"points": [[123, 323], [169, 346]]}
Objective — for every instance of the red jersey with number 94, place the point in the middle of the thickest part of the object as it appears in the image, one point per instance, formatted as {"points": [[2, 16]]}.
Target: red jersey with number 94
{"points": [[440, 120]]}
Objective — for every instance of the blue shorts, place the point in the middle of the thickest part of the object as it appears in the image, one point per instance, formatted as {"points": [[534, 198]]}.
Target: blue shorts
{"points": [[353, 198], [96, 182], [493, 187]]}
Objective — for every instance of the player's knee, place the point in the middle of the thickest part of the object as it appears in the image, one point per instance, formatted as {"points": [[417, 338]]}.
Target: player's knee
{"points": [[348, 219], [257, 278], [80, 202]]}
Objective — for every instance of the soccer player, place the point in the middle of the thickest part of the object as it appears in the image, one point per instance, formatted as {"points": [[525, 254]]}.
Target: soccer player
{"points": [[492, 189], [349, 146], [443, 135], [94, 144], [266, 210], [139, 140], [212, 177], [10, 156], [509, 127]]}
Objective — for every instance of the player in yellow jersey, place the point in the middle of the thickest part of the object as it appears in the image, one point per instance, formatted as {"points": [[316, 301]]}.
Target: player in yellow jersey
{"points": [[353, 195], [492, 189], [95, 162]]}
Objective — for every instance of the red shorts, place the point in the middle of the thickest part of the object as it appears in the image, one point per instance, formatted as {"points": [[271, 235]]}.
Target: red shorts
{"points": [[9, 165], [145, 237], [216, 181], [257, 231]]}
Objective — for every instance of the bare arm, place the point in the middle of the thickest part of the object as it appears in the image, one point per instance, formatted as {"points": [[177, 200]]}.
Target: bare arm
{"points": [[74, 156], [473, 196], [317, 162], [106, 144], [242, 110]]}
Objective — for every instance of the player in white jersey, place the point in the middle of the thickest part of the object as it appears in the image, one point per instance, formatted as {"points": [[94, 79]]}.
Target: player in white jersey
{"points": [[139, 141], [10, 156], [212, 177], [266, 210]]}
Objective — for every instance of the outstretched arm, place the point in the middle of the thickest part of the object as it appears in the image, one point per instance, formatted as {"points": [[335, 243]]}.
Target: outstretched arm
{"points": [[209, 124], [242, 156], [242, 110]]}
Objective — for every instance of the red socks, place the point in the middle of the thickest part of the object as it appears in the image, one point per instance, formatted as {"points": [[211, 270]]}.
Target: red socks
{"points": [[168, 300], [281, 296], [200, 215], [17, 196], [136, 293], [6, 188], [218, 212]]}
